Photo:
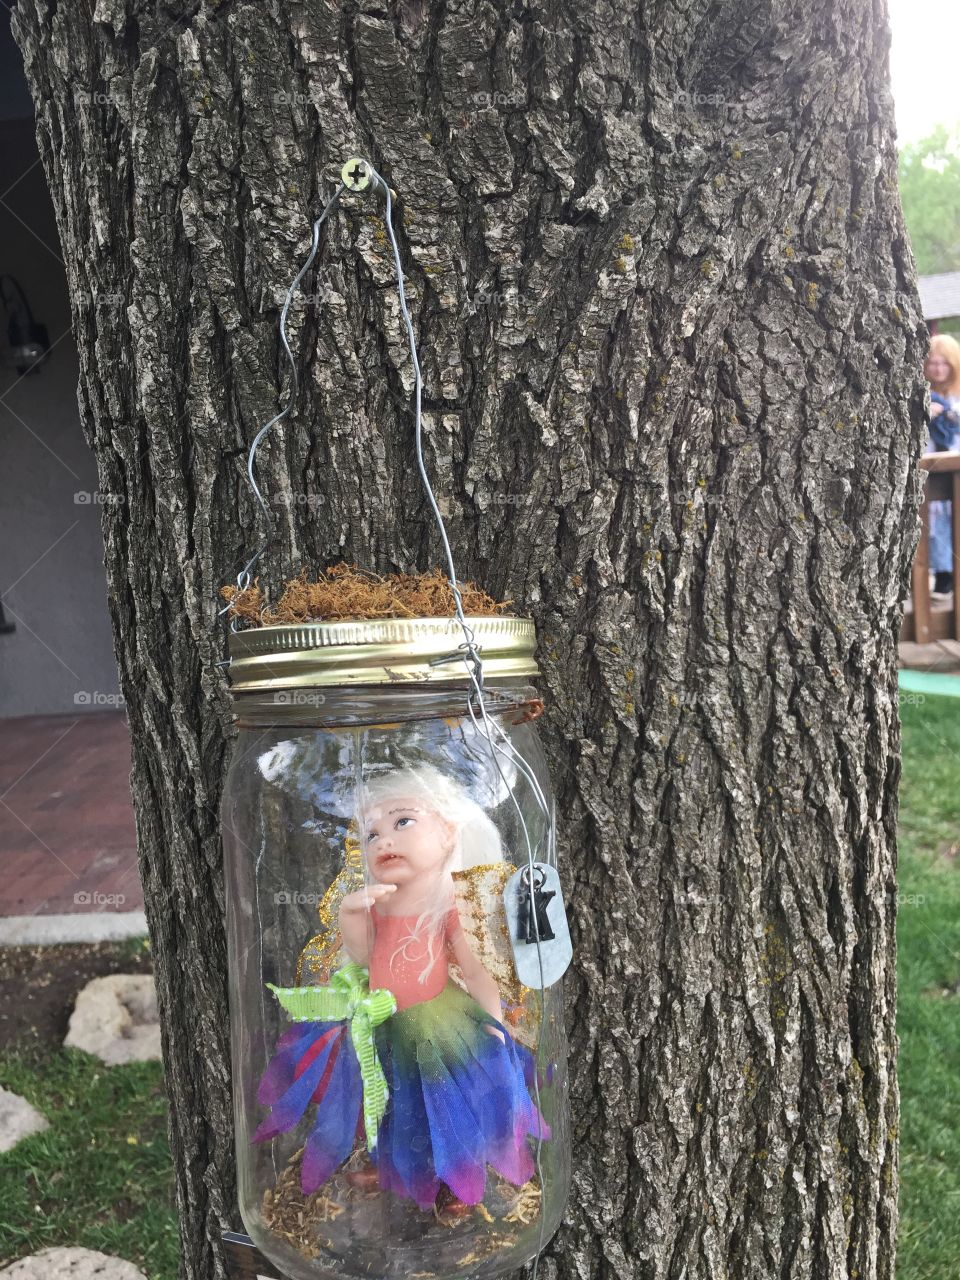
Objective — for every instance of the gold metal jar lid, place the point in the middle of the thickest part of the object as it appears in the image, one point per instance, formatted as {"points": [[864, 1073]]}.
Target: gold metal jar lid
{"points": [[389, 651]]}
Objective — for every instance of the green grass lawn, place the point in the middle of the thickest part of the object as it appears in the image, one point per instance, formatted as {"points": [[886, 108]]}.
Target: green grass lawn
{"points": [[100, 1176], [928, 937]]}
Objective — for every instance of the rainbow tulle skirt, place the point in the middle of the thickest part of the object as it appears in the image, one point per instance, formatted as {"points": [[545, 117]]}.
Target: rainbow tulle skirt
{"points": [[459, 1100]]}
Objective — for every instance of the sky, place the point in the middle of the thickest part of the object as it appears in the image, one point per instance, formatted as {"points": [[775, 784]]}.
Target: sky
{"points": [[924, 65]]}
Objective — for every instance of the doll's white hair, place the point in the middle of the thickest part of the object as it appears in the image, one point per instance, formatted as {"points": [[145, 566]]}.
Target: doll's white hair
{"points": [[476, 839]]}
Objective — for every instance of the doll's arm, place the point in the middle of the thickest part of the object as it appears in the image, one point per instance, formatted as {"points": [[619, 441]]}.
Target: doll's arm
{"points": [[355, 922], [478, 981]]}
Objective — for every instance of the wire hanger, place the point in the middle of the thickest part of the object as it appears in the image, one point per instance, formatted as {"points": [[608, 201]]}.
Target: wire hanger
{"points": [[358, 176]]}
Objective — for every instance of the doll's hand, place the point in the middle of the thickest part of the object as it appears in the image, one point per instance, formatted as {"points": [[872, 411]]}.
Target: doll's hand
{"points": [[363, 899]]}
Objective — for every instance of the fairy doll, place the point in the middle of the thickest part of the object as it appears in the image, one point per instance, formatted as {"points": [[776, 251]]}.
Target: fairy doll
{"points": [[395, 1049]]}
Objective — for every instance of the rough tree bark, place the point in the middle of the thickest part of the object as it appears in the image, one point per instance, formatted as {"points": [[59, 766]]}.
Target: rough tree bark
{"points": [[671, 343]]}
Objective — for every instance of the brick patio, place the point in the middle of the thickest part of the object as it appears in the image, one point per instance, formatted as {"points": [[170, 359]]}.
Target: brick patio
{"points": [[66, 818]]}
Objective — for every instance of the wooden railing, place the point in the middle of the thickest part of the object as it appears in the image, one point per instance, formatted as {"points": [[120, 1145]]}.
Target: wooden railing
{"points": [[924, 623]]}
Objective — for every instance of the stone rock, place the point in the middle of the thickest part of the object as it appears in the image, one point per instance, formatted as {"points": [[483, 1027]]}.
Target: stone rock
{"points": [[115, 1019], [18, 1119], [71, 1264]]}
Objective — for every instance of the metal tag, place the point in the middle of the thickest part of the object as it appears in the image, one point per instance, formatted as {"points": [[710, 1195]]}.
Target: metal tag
{"points": [[537, 910], [244, 1260]]}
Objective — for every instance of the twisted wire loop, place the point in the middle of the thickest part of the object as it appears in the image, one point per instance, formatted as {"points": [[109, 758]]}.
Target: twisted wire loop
{"points": [[244, 577], [468, 651]]}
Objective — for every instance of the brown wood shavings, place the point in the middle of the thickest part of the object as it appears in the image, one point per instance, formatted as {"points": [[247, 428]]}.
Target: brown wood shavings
{"points": [[527, 1205], [293, 1216]]}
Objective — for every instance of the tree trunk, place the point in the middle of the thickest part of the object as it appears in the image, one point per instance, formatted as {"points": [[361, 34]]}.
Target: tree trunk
{"points": [[671, 347]]}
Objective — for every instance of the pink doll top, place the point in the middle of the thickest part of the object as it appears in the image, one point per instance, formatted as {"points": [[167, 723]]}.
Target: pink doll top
{"points": [[402, 976]]}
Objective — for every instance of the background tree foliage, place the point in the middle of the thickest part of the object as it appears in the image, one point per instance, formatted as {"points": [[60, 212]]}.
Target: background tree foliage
{"points": [[930, 192]]}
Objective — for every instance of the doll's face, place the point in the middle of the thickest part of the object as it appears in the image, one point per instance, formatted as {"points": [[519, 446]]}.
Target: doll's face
{"points": [[404, 839]]}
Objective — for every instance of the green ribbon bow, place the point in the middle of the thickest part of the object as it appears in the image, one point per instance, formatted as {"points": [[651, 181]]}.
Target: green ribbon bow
{"points": [[349, 997]]}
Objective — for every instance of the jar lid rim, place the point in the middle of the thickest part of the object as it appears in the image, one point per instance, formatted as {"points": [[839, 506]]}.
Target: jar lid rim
{"points": [[378, 651]]}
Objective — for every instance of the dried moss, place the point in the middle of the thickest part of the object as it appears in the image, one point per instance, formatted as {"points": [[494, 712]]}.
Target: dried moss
{"points": [[347, 591]]}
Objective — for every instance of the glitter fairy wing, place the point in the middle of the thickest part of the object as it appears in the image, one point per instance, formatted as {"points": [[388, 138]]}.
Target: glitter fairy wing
{"points": [[324, 953], [483, 916]]}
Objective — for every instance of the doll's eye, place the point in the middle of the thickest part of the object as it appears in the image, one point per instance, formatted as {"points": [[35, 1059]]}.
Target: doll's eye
{"points": [[402, 822], [371, 835]]}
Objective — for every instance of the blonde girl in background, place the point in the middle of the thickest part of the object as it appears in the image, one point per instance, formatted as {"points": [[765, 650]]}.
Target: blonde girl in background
{"points": [[942, 370]]}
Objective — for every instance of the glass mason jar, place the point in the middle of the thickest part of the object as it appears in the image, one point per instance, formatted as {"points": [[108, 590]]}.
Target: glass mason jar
{"points": [[400, 1096]]}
